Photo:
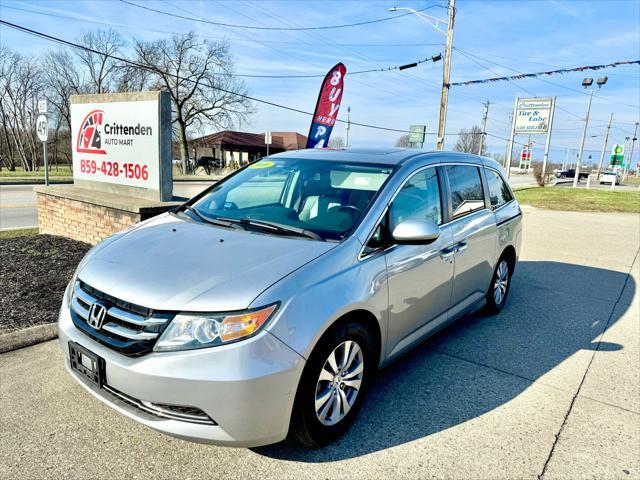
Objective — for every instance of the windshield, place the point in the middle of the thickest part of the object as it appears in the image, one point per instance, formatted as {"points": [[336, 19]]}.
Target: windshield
{"points": [[322, 199]]}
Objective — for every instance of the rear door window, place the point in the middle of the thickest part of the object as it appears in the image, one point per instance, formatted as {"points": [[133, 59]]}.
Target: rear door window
{"points": [[465, 186], [499, 192]]}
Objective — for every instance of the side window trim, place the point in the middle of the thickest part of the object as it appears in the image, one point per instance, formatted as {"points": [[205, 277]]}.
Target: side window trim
{"points": [[445, 201], [445, 195]]}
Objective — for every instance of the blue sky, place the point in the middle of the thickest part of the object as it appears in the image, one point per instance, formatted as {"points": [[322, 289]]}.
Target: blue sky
{"points": [[504, 37]]}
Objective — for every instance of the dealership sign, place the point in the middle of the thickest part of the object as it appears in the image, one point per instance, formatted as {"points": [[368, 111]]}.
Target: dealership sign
{"points": [[533, 115], [117, 140]]}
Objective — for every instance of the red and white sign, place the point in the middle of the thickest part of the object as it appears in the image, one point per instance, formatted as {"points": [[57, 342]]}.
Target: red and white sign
{"points": [[117, 142]]}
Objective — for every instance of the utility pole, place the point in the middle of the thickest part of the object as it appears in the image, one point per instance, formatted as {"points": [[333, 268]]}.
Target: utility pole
{"points": [[584, 136], [565, 164], [547, 144], [633, 144], [507, 160], [348, 124], [445, 76], [604, 147], [506, 149], [484, 125]]}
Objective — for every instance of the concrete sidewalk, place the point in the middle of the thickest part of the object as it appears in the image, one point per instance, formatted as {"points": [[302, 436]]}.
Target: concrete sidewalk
{"points": [[550, 388]]}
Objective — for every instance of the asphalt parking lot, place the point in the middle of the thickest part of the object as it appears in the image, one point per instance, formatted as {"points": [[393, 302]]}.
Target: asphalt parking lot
{"points": [[550, 388]]}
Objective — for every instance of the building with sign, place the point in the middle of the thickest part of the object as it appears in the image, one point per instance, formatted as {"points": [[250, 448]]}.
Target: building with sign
{"points": [[234, 149]]}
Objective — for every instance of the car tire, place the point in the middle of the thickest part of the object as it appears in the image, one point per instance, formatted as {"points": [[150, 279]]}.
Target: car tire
{"points": [[499, 287], [315, 422]]}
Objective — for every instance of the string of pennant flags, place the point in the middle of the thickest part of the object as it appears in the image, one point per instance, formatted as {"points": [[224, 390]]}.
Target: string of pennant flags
{"points": [[549, 72]]}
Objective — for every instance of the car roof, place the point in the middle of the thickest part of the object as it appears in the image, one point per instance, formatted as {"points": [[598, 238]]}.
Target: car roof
{"points": [[382, 156]]}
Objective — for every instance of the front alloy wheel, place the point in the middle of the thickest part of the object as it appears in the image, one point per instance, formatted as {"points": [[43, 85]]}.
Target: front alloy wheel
{"points": [[339, 383], [333, 384]]}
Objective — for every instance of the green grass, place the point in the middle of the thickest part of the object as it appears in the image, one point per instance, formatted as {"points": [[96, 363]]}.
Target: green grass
{"points": [[21, 232], [632, 180], [580, 200], [62, 171]]}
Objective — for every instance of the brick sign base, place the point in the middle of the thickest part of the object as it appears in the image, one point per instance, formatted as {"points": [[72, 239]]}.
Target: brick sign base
{"points": [[90, 216]]}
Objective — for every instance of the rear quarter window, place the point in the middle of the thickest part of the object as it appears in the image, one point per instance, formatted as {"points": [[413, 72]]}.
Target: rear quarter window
{"points": [[499, 192]]}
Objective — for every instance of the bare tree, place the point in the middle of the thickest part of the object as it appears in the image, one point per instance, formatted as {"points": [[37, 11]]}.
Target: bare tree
{"points": [[337, 142], [199, 76], [20, 84], [469, 141], [63, 78], [102, 69], [403, 142]]}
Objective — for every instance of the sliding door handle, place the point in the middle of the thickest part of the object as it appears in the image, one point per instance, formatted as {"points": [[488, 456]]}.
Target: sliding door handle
{"points": [[447, 253]]}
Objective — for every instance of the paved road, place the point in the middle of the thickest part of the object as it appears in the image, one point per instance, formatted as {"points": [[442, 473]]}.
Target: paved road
{"points": [[550, 388], [18, 202]]}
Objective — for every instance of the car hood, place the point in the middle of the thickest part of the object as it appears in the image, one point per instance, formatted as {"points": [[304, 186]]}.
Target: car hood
{"points": [[174, 264]]}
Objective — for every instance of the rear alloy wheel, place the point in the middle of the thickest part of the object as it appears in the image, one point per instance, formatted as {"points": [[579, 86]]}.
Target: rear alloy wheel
{"points": [[333, 384], [497, 294]]}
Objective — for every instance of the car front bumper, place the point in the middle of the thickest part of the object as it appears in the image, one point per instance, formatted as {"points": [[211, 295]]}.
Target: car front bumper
{"points": [[246, 388]]}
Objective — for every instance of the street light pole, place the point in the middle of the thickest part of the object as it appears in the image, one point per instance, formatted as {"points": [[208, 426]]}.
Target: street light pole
{"points": [[444, 98], [584, 135], [604, 147]]}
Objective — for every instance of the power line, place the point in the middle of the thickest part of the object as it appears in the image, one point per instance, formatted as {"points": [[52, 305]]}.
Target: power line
{"points": [[155, 70], [519, 59], [563, 70], [257, 27], [252, 40], [535, 75]]}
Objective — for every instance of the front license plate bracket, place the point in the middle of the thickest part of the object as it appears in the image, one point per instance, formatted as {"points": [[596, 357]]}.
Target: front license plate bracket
{"points": [[89, 365]]}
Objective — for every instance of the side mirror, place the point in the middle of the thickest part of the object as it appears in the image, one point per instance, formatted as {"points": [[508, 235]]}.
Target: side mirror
{"points": [[416, 232]]}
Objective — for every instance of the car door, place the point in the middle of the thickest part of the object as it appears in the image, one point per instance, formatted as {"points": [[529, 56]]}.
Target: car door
{"points": [[419, 276], [474, 236]]}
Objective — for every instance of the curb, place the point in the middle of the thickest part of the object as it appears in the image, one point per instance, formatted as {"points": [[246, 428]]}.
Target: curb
{"points": [[28, 337], [33, 181]]}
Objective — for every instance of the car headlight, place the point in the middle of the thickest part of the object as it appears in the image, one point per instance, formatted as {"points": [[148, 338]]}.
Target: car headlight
{"points": [[188, 331], [69, 292]]}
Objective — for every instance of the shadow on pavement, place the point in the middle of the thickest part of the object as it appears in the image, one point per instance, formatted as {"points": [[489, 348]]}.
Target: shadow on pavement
{"points": [[481, 362]]}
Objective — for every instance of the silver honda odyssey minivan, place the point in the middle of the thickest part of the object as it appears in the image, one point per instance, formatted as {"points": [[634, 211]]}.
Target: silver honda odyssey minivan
{"points": [[263, 307]]}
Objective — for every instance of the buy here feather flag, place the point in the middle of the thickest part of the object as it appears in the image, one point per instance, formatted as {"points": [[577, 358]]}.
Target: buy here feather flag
{"points": [[324, 117]]}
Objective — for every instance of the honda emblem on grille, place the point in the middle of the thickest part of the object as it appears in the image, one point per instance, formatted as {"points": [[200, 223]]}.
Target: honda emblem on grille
{"points": [[96, 315]]}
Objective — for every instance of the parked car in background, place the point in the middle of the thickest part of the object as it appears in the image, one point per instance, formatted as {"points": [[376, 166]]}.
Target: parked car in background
{"points": [[571, 173], [265, 304], [209, 163], [609, 177]]}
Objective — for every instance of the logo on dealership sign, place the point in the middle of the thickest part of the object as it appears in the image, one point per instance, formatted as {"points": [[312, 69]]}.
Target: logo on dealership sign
{"points": [[89, 136]]}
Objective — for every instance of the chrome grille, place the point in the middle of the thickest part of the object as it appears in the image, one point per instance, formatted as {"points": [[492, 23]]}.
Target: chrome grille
{"points": [[127, 327]]}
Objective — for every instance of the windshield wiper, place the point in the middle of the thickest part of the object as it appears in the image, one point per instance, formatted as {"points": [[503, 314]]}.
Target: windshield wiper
{"points": [[212, 221], [274, 227]]}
